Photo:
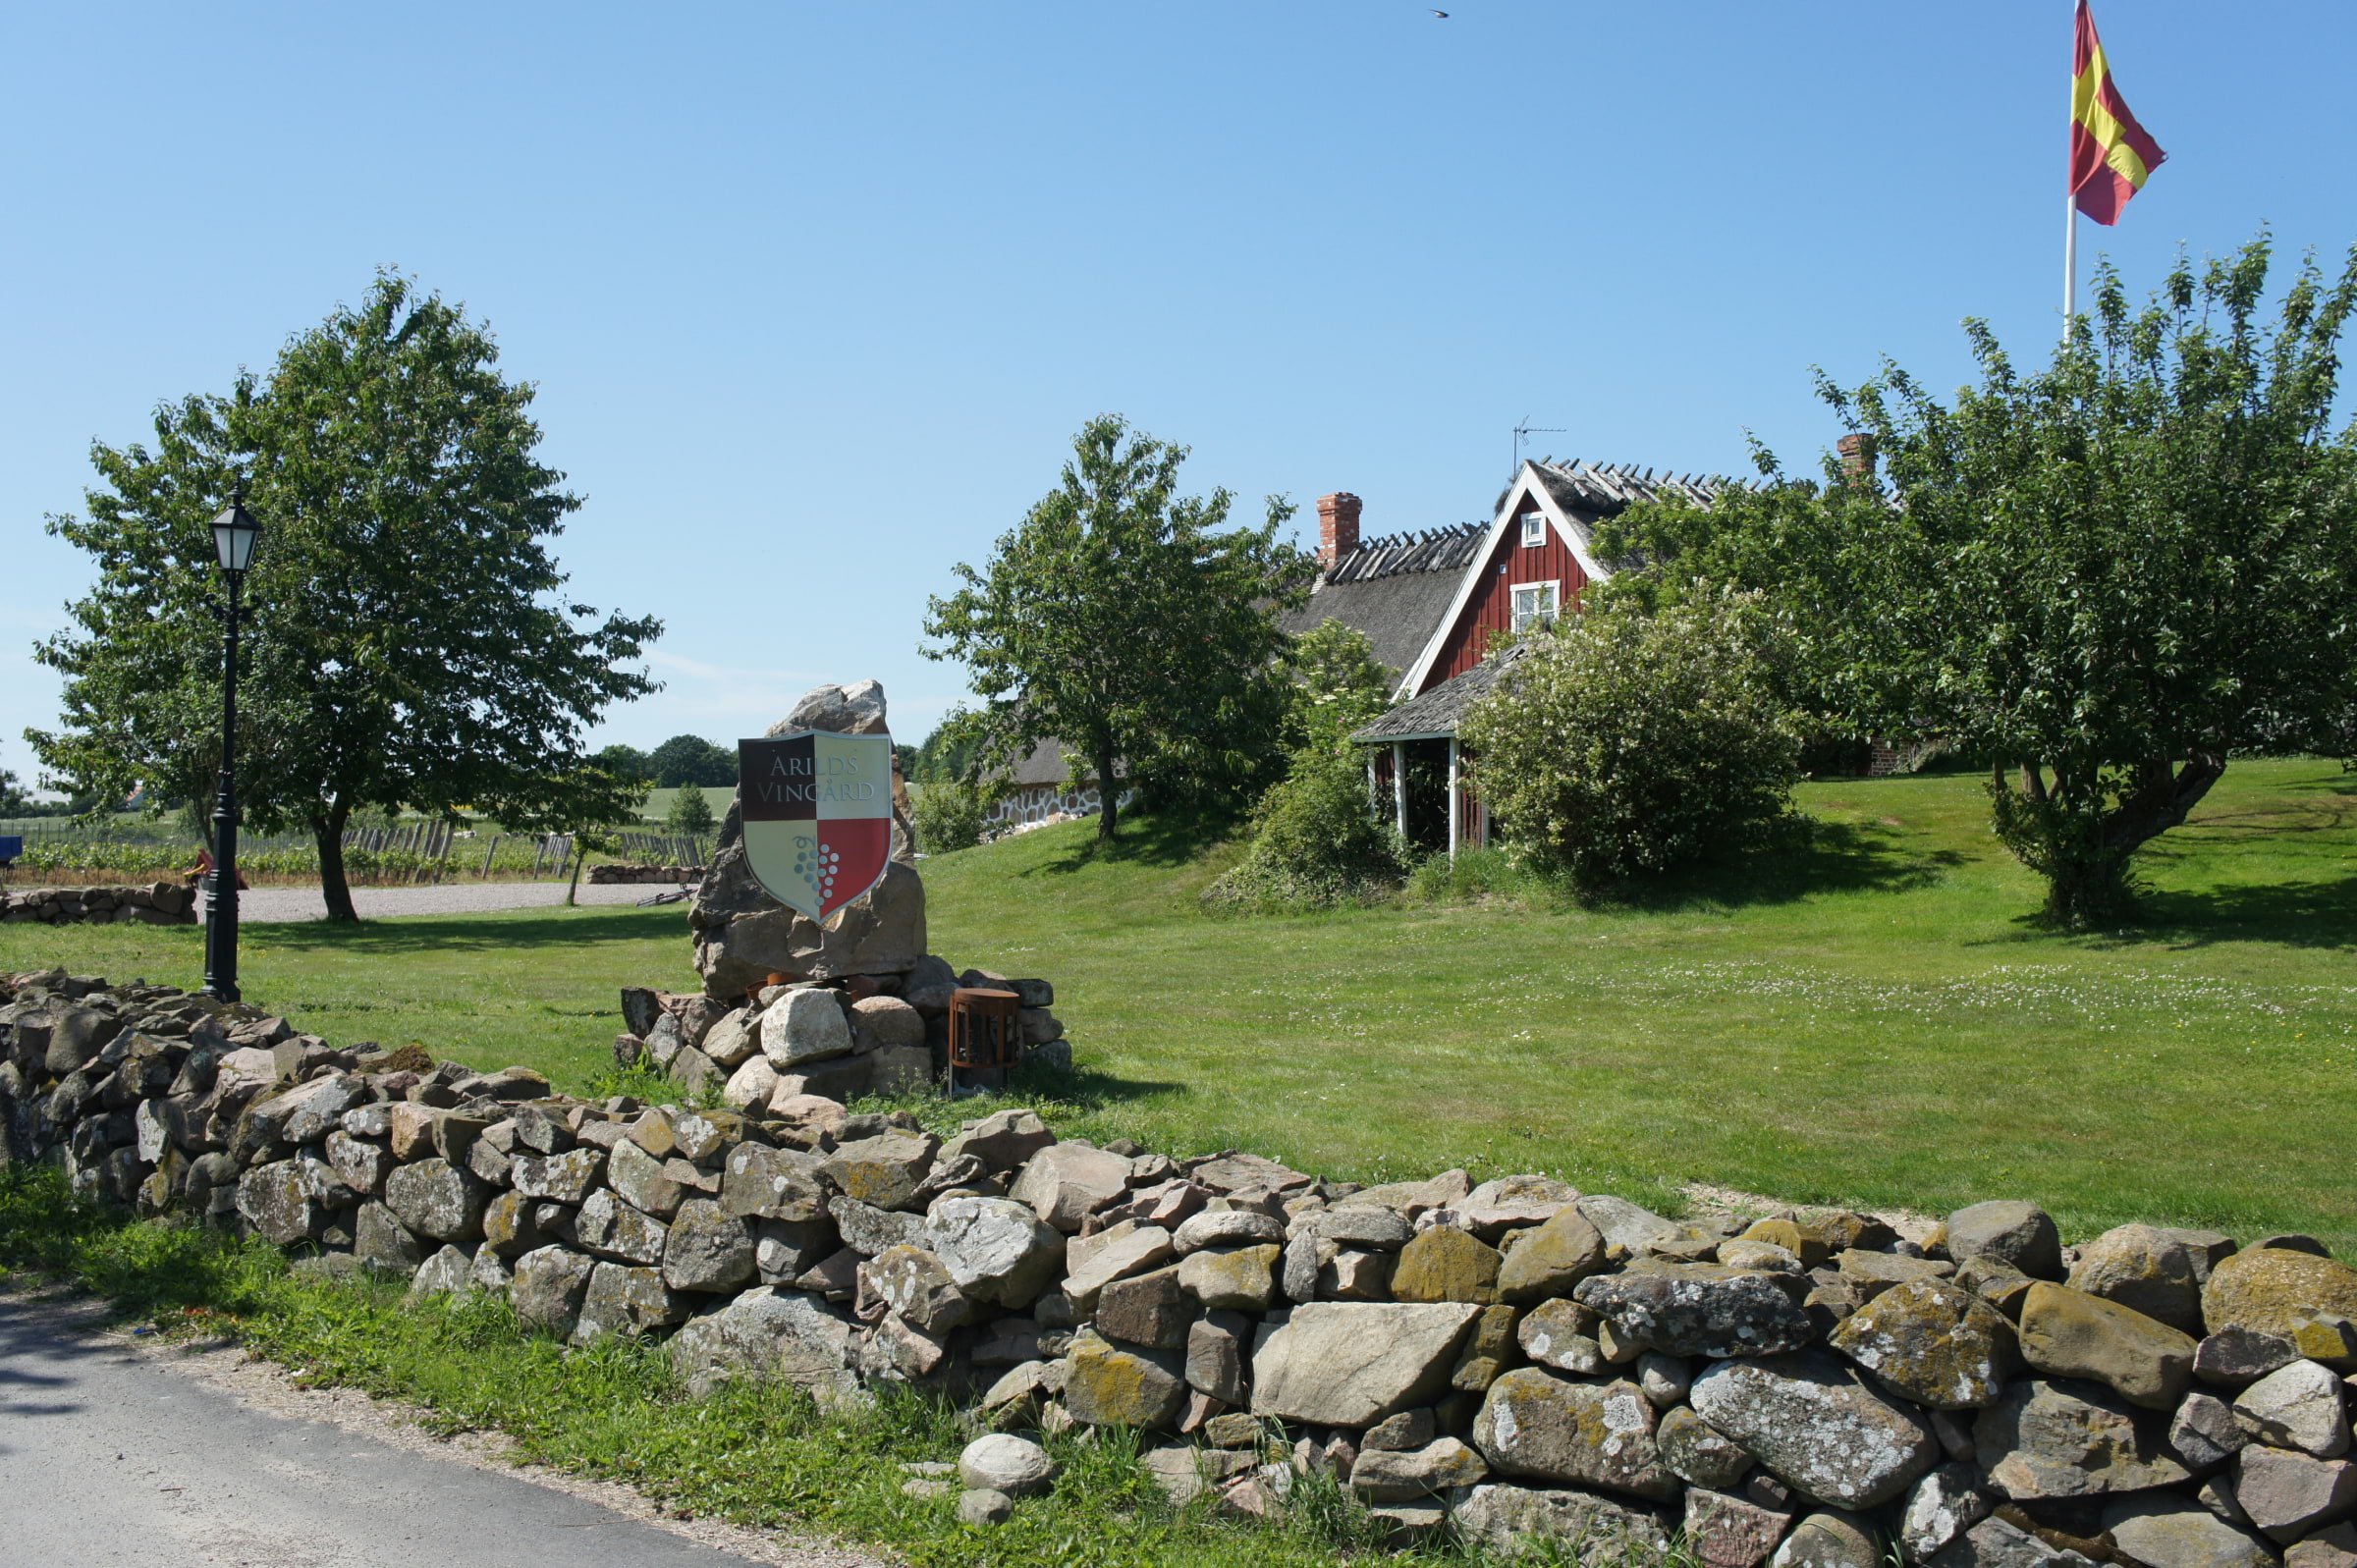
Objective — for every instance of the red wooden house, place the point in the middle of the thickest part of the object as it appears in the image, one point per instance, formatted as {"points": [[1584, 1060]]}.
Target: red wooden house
{"points": [[1434, 605]]}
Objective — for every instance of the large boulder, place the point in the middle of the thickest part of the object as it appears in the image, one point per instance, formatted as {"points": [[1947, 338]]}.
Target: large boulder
{"points": [[744, 936], [2021, 1234], [1818, 1425], [1699, 1309], [2046, 1439], [2165, 1532], [2302, 1406], [1352, 1364], [2069, 1333], [996, 1249], [1064, 1182], [1933, 1342], [1551, 1260], [1539, 1425], [804, 1026], [765, 1334], [2272, 1290], [2147, 1269]]}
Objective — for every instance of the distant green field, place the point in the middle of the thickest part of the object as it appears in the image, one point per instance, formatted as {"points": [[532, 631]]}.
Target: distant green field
{"points": [[658, 802], [1871, 1018]]}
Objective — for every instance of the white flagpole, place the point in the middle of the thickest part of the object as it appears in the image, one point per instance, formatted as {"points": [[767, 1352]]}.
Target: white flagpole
{"points": [[2071, 199]]}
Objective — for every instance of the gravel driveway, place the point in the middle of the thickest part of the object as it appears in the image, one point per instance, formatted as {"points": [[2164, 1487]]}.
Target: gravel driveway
{"points": [[277, 906]]}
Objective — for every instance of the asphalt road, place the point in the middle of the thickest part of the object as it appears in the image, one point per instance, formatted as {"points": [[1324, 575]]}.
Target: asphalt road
{"points": [[121, 1452]]}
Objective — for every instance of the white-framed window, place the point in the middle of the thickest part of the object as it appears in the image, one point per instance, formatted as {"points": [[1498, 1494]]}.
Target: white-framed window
{"points": [[1534, 604], [1534, 529]]}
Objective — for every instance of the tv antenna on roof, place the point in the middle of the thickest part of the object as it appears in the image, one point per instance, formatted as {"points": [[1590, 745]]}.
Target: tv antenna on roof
{"points": [[1523, 434]]}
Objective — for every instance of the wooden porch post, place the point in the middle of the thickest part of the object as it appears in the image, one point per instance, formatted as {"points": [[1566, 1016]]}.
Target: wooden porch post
{"points": [[1399, 786], [1452, 797]]}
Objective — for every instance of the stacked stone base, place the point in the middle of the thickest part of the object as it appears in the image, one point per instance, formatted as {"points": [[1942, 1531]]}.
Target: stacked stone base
{"points": [[837, 1039], [160, 904], [624, 874], [1514, 1357]]}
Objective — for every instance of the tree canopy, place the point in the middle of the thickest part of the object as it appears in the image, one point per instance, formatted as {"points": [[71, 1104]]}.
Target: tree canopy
{"points": [[1134, 624], [2106, 576], [692, 760], [409, 643]]}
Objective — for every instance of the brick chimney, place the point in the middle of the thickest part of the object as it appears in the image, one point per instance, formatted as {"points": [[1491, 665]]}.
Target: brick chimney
{"points": [[1337, 527], [1857, 455]]}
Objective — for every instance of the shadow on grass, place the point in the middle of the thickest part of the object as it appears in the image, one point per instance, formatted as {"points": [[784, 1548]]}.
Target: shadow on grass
{"points": [[1085, 1088], [1808, 857], [1164, 841], [589, 926], [2290, 914]]}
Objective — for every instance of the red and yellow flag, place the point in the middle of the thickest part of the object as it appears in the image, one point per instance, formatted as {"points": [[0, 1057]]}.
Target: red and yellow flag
{"points": [[2111, 154]]}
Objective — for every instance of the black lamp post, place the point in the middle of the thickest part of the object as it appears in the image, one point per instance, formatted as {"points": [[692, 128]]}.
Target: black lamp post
{"points": [[235, 533]]}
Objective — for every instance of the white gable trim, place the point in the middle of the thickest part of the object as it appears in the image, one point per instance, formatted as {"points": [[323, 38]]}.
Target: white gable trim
{"points": [[1525, 485]]}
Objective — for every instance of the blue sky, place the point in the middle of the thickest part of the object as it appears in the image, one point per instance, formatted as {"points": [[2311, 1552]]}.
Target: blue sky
{"points": [[816, 295]]}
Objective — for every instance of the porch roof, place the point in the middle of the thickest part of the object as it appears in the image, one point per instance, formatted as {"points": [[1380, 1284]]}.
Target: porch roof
{"points": [[1436, 715]]}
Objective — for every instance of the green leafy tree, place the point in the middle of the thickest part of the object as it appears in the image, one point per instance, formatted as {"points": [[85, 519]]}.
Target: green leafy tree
{"points": [[692, 760], [691, 814], [408, 642], [626, 761], [2108, 575], [1340, 683], [952, 751], [1134, 625], [1624, 744], [15, 799]]}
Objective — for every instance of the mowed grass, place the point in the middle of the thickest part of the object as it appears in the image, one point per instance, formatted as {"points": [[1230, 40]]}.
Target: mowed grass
{"points": [[1869, 1015]]}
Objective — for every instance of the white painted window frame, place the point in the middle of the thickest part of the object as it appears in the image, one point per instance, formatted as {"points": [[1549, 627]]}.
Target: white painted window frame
{"points": [[1513, 614], [1534, 528]]}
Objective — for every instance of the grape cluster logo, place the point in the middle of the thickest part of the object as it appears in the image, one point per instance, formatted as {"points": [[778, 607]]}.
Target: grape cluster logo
{"points": [[817, 813]]}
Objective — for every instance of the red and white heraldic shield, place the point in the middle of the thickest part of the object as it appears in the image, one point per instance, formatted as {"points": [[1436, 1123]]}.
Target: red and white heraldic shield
{"points": [[817, 814]]}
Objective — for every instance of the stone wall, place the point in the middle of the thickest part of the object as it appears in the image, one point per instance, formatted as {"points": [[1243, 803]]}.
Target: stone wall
{"points": [[160, 904], [619, 872], [1811, 1386]]}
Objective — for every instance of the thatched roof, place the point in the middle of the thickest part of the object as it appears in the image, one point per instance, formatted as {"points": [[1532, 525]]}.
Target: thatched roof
{"points": [[1439, 712], [1394, 590]]}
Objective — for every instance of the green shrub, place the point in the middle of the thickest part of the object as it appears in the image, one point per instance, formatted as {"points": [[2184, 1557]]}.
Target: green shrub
{"points": [[1316, 841], [691, 814], [948, 816], [1626, 744]]}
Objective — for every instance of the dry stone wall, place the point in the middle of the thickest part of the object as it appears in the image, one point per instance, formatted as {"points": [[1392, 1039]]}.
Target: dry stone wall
{"points": [[160, 904], [1517, 1357]]}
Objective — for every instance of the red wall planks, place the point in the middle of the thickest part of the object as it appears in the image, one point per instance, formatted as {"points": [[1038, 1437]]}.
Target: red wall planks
{"points": [[1491, 608]]}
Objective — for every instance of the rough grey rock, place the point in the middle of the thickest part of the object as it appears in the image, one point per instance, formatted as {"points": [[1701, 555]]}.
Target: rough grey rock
{"points": [[1815, 1423], [639, 1180], [804, 1026], [1064, 1181], [1394, 1474], [1699, 1453], [867, 1229], [1560, 1333], [1933, 1342], [1829, 1540], [448, 1272], [995, 1248], [1724, 1531], [707, 1249], [1002, 1140], [1941, 1508], [548, 1285], [2044, 1439], [627, 1301], [1226, 1228], [1215, 1357], [2021, 1234], [1352, 1364], [768, 1183], [1602, 1530], [2147, 1269], [2069, 1333], [2287, 1495], [280, 1202], [435, 1199], [568, 1177], [2001, 1543], [2166, 1532], [983, 1506], [1003, 1462], [614, 1230], [382, 1242], [1539, 1425], [888, 1169], [1698, 1310], [1625, 1225], [765, 1334], [2301, 1407], [2233, 1357], [2204, 1432], [913, 1284]]}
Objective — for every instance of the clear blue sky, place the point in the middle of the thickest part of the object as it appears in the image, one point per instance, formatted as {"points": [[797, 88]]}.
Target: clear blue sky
{"points": [[815, 295]]}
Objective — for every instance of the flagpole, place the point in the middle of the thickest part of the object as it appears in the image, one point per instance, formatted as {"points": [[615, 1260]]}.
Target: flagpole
{"points": [[2071, 199]]}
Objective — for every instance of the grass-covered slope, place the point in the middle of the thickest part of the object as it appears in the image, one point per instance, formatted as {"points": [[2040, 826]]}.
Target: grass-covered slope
{"points": [[1871, 1017]]}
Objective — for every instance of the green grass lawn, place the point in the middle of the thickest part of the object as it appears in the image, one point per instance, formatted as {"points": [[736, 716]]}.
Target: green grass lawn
{"points": [[1871, 1017]]}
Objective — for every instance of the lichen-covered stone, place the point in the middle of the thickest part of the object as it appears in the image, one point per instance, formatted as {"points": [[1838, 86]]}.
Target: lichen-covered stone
{"points": [[2147, 1269], [1387, 1476], [996, 1249], [761, 1182], [1698, 1310], [1934, 1343], [2021, 1234], [1236, 1279], [1446, 1264], [614, 1230], [2271, 1289], [1537, 1425], [1939, 1509], [437, 1199], [1699, 1453], [887, 1170], [568, 1177], [626, 1300], [2046, 1439], [2069, 1333], [1065, 1183], [1352, 1364], [1600, 1531], [1120, 1386], [913, 1284], [547, 1287], [765, 1334], [1815, 1423], [707, 1249], [1724, 1531], [2165, 1532]]}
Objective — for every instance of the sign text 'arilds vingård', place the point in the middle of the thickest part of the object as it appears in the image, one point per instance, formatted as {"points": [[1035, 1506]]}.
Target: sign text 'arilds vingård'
{"points": [[817, 813]]}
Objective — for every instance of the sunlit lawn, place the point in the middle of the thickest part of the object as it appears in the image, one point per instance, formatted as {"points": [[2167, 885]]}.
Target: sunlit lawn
{"points": [[1869, 1018]]}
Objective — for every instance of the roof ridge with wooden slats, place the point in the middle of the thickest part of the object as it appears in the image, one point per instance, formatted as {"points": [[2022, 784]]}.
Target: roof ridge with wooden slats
{"points": [[1446, 549], [1610, 486]]}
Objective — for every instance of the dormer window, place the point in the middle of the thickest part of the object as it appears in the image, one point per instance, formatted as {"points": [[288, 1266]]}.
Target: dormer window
{"points": [[1534, 529], [1534, 604]]}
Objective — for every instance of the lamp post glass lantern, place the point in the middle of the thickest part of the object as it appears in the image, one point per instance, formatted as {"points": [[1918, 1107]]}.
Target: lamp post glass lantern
{"points": [[235, 534]]}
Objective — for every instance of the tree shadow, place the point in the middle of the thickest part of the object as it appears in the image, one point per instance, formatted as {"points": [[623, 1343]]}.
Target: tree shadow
{"points": [[1807, 855], [1085, 1088], [2290, 914], [1163, 840], [587, 926]]}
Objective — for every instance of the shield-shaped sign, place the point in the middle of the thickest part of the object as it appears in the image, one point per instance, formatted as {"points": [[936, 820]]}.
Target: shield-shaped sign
{"points": [[817, 813]]}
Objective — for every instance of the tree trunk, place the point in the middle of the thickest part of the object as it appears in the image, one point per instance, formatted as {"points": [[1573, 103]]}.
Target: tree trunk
{"points": [[1107, 791], [2088, 881], [581, 857], [328, 834]]}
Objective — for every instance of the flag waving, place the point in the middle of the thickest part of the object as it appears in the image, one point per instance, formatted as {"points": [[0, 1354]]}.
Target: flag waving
{"points": [[2111, 154]]}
